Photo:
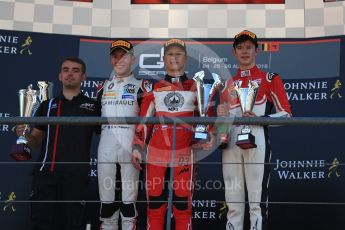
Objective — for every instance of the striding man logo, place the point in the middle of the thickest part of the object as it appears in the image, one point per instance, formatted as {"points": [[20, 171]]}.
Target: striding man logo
{"points": [[9, 203], [334, 168], [26, 46], [223, 210], [335, 90]]}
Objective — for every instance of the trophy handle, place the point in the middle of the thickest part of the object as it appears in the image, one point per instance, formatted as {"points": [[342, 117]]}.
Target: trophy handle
{"points": [[45, 90]]}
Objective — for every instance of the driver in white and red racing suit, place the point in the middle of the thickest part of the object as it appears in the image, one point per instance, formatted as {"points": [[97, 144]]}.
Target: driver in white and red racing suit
{"points": [[175, 96], [250, 166]]}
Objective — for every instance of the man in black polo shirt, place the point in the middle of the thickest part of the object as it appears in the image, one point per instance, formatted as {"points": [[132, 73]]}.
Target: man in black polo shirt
{"points": [[54, 180]]}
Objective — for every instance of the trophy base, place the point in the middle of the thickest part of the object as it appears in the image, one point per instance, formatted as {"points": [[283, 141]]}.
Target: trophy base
{"points": [[201, 137], [246, 141], [20, 152], [223, 141]]}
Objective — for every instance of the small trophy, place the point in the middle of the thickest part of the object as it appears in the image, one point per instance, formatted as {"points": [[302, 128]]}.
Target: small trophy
{"points": [[247, 97], [29, 101], [204, 93]]}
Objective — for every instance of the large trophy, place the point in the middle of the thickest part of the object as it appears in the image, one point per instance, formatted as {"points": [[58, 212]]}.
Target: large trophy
{"points": [[247, 97], [204, 93], [29, 100]]}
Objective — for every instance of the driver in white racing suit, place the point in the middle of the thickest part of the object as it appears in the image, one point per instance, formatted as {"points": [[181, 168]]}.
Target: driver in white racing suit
{"points": [[120, 97]]}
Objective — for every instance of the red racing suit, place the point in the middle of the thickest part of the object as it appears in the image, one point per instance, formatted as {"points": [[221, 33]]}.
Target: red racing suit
{"points": [[246, 166], [172, 97]]}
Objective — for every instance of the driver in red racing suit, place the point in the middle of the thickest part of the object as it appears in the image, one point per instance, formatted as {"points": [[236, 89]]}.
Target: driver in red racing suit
{"points": [[175, 96]]}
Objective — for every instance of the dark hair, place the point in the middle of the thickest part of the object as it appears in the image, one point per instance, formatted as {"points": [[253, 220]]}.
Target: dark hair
{"points": [[76, 60], [245, 38]]}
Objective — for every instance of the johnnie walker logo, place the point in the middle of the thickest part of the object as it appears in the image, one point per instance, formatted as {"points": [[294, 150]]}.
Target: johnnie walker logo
{"points": [[14, 45], [306, 169]]}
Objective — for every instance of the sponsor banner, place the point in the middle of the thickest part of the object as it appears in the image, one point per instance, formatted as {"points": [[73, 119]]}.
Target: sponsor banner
{"points": [[292, 59], [89, 87]]}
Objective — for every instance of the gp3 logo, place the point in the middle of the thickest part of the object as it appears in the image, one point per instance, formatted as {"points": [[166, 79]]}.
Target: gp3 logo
{"points": [[152, 61]]}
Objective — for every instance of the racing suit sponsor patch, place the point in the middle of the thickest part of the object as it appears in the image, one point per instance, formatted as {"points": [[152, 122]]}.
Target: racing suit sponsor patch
{"points": [[118, 102], [88, 106], [166, 88], [109, 94], [245, 73], [126, 96], [270, 76], [111, 85], [129, 89], [174, 101], [147, 86]]}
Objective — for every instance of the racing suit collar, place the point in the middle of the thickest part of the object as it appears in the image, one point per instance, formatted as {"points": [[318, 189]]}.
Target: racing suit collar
{"points": [[123, 79], [174, 79], [247, 73]]}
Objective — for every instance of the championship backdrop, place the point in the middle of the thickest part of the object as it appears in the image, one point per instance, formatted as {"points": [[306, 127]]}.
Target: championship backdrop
{"points": [[307, 182]]}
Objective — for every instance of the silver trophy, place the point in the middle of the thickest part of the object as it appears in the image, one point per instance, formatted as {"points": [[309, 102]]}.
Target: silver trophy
{"points": [[247, 96], [29, 100], [46, 90], [205, 93]]}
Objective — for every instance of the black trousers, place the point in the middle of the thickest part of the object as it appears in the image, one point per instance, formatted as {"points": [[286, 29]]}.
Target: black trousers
{"points": [[57, 201]]}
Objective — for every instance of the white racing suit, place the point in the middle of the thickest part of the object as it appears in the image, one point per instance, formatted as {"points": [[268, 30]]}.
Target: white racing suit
{"points": [[120, 97], [245, 168]]}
